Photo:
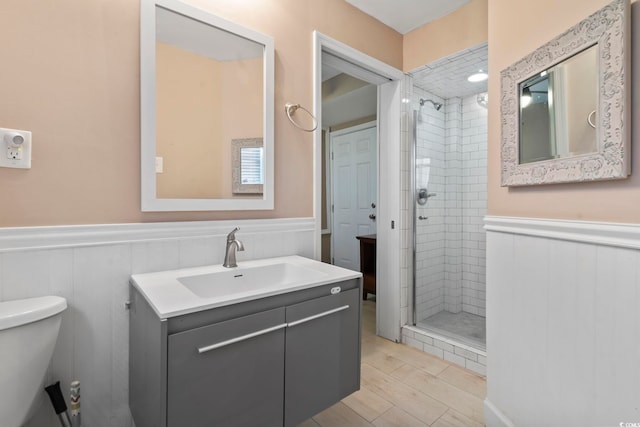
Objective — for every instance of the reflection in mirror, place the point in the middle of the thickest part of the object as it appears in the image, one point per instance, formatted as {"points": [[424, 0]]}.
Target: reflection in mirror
{"points": [[248, 171], [557, 110], [205, 82], [208, 92]]}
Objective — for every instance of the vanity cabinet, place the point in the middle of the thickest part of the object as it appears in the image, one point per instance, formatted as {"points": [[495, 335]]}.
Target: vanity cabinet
{"points": [[229, 373], [275, 361], [322, 354]]}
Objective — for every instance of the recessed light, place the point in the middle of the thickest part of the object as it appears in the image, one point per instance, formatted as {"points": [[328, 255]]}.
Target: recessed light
{"points": [[480, 76]]}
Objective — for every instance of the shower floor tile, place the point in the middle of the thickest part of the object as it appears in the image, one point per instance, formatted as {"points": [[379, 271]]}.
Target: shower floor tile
{"points": [[467, 327]]}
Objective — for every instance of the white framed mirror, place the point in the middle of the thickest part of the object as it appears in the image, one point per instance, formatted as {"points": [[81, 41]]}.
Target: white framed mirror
{"points": [[205, 83], [565, 107]]}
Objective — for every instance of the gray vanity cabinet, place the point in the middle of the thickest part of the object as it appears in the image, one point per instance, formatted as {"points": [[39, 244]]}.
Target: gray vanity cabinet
{"points": [[229, 373], [274, 361], [322, 354]]}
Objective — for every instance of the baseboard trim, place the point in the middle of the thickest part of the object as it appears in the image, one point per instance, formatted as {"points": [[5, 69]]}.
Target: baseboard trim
{"points": [[600, 233], [493, 417], [39, 238]]}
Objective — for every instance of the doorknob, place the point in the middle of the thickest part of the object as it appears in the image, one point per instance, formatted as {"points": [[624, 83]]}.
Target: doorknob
{"points": [[373, 205], [372, 217]]}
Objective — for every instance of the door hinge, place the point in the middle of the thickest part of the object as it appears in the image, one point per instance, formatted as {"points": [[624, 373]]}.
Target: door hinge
{"points": [[331, 208], [393, 225], [332, 155], [333, 260]]}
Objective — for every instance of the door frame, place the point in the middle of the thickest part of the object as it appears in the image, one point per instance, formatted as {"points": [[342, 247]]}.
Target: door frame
{"points": [[388, 319], [345, 131]]}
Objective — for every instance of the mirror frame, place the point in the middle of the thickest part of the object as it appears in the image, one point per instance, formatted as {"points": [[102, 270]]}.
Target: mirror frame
{"points": [[609, 29], [149, 201]]}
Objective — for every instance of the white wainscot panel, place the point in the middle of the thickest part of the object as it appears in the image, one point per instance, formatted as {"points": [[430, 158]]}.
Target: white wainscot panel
{"points": [[90, 266], [563, 340]]}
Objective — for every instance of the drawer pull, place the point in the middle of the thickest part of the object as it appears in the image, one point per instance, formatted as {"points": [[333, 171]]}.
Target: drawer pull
{"points": [[240, 338], [317, 316]]}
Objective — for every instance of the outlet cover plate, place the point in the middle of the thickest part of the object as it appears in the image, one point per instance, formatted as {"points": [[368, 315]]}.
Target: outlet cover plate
{"points": [[12, 157]]}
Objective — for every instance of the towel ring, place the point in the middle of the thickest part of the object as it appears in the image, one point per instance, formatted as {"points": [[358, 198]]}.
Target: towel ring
{"points": [[290, 109], [589, 119]]}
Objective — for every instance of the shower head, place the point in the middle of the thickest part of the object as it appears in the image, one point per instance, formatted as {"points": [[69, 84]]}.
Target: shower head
{"points": [[436, 105]]}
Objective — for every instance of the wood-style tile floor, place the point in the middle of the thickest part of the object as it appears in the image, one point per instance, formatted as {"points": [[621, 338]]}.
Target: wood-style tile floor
{"points": [[404, 387]]}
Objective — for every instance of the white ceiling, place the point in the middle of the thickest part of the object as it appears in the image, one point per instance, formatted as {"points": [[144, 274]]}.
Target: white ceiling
{"points": [[447, 77], [406, 15]]}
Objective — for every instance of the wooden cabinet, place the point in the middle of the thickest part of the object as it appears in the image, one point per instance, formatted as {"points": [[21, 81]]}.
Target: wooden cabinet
{"points": [[368, 264], [276, 361]]}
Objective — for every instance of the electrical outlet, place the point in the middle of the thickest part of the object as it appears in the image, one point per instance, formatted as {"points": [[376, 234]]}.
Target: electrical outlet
{"points": [[15, 148], [14, 153]]}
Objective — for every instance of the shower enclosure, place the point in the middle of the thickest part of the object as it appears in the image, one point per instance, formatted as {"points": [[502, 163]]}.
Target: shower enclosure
{"points": [[449, 197]]}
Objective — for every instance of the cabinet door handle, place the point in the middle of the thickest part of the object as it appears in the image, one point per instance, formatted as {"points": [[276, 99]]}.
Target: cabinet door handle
{"points": [[240, 338], [316, 316]]}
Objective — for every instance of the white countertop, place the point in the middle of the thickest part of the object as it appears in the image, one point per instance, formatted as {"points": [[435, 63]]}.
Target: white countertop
{"points": [[169, 297]]}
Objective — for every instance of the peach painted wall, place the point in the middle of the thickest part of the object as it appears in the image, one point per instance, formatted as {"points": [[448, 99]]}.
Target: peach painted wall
{"points": [[461, 29], [511, 38], [188, 124], [74, 82]]}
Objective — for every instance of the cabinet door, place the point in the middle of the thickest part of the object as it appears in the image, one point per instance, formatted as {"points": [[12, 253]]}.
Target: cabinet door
{"points": [[323, 354], [229, 373]]}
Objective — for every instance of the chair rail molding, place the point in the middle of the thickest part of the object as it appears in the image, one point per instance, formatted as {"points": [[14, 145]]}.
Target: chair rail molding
{"points": [[51, 237], [620, 235]]}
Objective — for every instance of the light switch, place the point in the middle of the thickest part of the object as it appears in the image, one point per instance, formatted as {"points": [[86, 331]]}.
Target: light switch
{"points": [[159, 164], [15, 148]]}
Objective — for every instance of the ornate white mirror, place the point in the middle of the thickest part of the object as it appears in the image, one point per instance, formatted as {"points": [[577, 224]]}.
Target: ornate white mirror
{"points": [[565, 107], [206, 83]]}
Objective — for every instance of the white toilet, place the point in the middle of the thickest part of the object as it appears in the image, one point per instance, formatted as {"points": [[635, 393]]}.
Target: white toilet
{"points": [[28, 333]]}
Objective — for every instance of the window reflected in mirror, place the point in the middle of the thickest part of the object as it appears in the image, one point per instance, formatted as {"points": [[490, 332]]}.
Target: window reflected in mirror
{"points": [[248, 166], [558, 110]]}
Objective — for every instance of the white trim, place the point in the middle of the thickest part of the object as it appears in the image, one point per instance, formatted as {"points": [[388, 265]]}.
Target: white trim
{"points": [[389, 136], [356, 128], [39, 238], [148, 200], [600, 233], [341, 50], [327, 180], [493, 417], [388, 270]]}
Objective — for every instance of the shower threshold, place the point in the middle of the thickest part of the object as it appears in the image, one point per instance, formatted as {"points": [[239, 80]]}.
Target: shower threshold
{"points": [[466, 328]]}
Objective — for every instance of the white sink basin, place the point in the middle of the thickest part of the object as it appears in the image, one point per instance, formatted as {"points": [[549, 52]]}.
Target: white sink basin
{"points": [[245, 279], [177, 292]]}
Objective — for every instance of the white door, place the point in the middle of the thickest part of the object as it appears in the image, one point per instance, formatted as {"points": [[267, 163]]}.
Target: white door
{"points": [[354, 192]]}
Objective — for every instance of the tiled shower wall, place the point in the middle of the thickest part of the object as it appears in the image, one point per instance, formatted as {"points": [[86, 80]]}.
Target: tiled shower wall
{"points": [[474, 205], [450, 244], [430, 233]]}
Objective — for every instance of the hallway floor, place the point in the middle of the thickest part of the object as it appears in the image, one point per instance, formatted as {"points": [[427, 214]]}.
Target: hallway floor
{"points": [[404, 387]]}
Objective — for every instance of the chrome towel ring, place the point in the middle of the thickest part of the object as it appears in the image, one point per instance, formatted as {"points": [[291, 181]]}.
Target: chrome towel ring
{"points": [[290, 109], [589, 119]]}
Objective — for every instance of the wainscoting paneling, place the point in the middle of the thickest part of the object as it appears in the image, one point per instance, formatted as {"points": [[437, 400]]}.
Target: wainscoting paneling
{"points": [[90, 266], [563, 334]]}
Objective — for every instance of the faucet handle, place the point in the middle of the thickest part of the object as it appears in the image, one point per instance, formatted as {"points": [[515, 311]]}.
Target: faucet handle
{"points": [[232, 235]]}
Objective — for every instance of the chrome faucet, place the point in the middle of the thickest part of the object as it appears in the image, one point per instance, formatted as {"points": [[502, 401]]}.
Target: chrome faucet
{"points": [[233, 244]]}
